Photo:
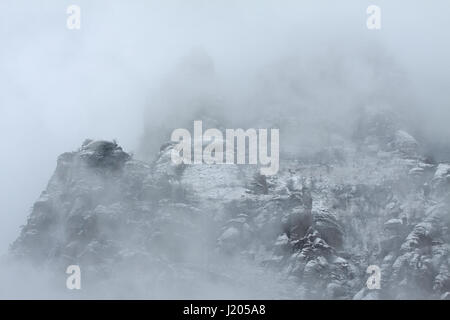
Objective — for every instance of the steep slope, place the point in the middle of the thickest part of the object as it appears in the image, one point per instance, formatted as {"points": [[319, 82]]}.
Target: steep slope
{"points": [[159, 230]]}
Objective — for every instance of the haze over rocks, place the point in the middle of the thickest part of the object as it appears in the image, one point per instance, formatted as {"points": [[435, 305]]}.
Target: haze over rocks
{"points": [[215, 231]]}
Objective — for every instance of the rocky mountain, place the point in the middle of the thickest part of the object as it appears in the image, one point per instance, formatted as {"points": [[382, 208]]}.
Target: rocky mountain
{"points": [[156, 229]]}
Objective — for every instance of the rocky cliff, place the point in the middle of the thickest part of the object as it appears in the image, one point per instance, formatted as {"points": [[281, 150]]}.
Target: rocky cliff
{"points": [[155, 229]]}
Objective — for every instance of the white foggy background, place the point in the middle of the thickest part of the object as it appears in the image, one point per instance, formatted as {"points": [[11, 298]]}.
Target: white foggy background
{"points": [[60, 86]]}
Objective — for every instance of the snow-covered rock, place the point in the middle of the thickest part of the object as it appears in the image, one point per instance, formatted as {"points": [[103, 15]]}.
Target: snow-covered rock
{"points": [[315, 226]]}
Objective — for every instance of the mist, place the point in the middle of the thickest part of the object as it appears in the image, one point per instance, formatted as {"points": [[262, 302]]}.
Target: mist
{"points": [[135, 67]]}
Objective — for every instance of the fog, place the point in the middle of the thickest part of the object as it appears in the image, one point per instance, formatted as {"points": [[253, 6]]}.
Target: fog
{"points": [[126, 72]]}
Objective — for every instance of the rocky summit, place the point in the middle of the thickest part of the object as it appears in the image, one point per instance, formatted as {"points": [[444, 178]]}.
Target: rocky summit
{"points": [[159, 230]]}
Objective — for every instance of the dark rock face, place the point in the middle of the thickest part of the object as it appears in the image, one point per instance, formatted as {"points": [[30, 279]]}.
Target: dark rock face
{"points": [[103, 154], [85, 197], [320, 226]]}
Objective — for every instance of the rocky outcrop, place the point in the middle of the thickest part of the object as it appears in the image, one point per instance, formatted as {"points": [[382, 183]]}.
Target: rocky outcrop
{"points": [[318, 225]]}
